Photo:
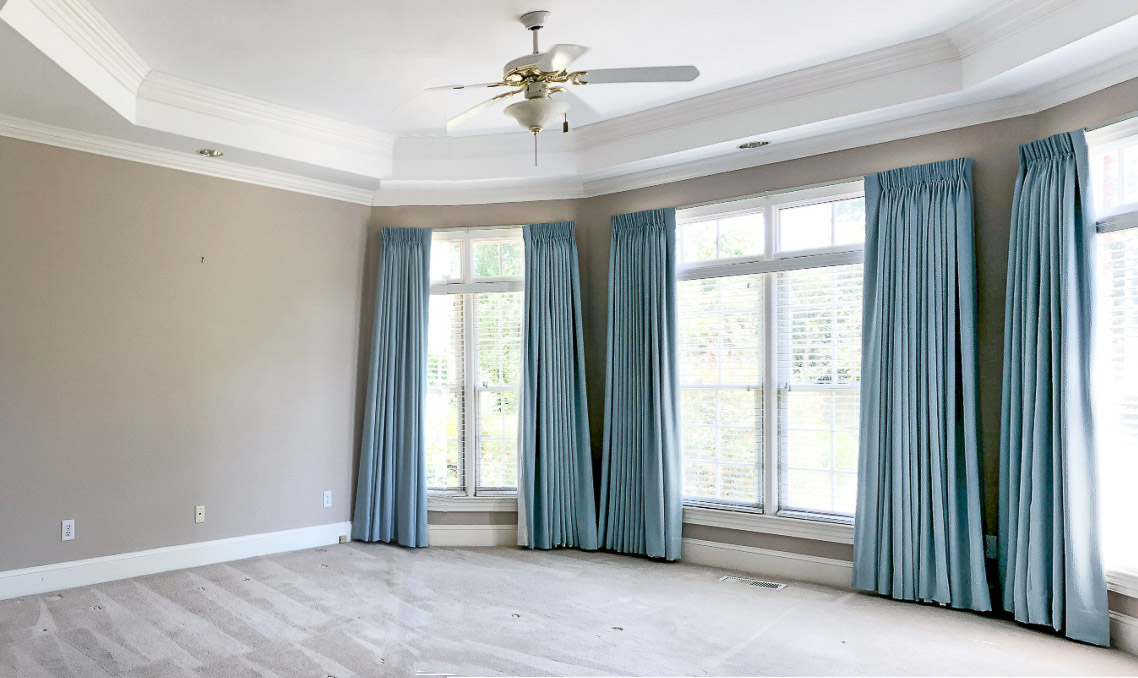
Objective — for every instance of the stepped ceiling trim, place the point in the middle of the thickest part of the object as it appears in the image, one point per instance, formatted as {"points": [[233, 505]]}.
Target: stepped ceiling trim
{"points": [[1015, 58]]}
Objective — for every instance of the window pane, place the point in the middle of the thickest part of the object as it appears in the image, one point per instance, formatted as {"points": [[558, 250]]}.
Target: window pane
{"points": [[513, 261], [819, 363], [498, 363], [849, 222], [805, 228], [1130, 174], [446, 260], [741, 236], [445, 384], [1116, 394], [697, 241], [444, 439], [487, 261], [721, 405], [727, 238], [498, 439]]}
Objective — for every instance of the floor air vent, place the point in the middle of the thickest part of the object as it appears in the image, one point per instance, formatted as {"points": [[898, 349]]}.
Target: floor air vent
{"points": [[754, 582]]}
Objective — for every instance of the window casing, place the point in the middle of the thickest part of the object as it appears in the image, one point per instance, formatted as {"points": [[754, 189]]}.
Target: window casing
{"points": [[474, 361], [1114, 183], [769, 302]]}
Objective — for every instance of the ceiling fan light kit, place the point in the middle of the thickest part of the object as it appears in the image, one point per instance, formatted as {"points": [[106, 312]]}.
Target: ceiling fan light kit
{"points": [[541, 74]]}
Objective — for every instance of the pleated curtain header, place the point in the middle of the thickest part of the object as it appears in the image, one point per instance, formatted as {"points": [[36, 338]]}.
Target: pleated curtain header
{"points": [[956, 172], [406, 235], [555, 231], [640, 222], [1051, 148]]}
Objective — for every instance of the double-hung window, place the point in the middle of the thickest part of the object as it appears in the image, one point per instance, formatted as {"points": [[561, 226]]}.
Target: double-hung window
{"points": [[474, 361], [1114, 178], [769, 325]]}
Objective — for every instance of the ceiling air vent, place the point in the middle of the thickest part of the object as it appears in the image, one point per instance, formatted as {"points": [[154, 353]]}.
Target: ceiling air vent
{"points": [[754, 582]]}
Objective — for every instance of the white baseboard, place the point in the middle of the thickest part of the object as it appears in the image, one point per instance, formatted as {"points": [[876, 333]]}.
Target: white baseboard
{"points": [[44, 578], [773, 564], [1124, 632], [473, 535]]}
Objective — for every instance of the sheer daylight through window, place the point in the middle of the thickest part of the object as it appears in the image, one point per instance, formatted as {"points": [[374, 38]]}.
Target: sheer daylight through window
{"points": [[474, 361], [770, 351]]}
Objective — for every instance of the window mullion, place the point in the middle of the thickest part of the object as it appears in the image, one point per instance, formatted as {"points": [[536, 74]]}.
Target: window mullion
{"points": [[770, 372], [470, 408]]}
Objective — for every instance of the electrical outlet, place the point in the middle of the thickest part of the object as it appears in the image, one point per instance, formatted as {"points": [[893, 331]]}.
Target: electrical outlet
{"points": [[344, 539], [199, 514], [989, 546], [327, 498], [68, 532]]}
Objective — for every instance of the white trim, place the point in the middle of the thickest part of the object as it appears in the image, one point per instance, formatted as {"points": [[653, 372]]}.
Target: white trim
{"points": [[1124, 582], [768, 563], [448, 503], [187, 162], [472, 535], [163, 88], [43, 578], [817, 530], [1124, 632], [1119, 221]]}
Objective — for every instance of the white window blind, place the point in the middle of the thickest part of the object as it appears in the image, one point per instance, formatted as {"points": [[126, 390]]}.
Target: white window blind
{"points": [[446, 389], [721, 387], [498, 348], [819, 367], [1116, 394]]}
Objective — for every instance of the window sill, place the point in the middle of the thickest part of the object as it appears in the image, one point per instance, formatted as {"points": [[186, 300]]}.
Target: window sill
{"points": [[1124, 582], [451, 502], [817, 530]]}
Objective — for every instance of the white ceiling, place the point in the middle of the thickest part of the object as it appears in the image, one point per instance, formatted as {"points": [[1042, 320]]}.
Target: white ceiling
{"points": [[327, 98], [367, 62]]}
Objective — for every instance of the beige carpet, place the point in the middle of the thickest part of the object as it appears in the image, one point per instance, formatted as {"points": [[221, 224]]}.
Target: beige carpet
{"points": [[368, 610]]}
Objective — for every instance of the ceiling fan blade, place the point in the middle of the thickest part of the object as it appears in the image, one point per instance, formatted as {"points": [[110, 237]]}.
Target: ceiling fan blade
{"points": [[559, 57], [481, 84], [647, 74], [471, 112]]}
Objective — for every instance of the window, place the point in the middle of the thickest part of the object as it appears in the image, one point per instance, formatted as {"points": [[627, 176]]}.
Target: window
{"points": [[1114, 182], [474, 361], [769, 303], [1116, 393]]}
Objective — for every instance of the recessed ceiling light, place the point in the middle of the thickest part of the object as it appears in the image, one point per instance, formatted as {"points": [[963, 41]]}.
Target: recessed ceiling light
{"points": [[753, 144], [210, 152]]}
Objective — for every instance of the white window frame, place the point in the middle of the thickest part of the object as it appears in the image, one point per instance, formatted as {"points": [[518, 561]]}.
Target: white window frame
{"points": [[1101, 141], [769, 518], [470, 499]]}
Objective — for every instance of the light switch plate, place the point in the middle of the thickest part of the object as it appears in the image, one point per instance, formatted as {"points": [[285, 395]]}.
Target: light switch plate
{"points": [[199, 514], [68, 530], [327, 498]]}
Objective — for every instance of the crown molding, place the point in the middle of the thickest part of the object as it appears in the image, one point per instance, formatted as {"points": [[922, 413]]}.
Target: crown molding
{"points": [[163, 88], [999, 22], [816, 80], [161, 157], [80, 22]]}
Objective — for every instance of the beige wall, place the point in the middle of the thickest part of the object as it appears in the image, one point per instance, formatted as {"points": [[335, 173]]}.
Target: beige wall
{"points": [[137, 381]]}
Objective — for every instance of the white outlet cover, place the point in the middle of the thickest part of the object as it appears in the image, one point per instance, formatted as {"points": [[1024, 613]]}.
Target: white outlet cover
{"points": [[327, 498], [67, 531], [199, 514]]}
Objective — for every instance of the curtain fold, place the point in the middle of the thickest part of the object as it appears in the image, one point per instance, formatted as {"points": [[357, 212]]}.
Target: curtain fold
{"points": [[641, 491], [918, 533], [557, 464], [391, 493], [1049, 561]]}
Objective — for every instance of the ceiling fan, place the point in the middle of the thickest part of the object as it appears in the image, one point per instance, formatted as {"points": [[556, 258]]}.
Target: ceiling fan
{"points": [[540, 74]]}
